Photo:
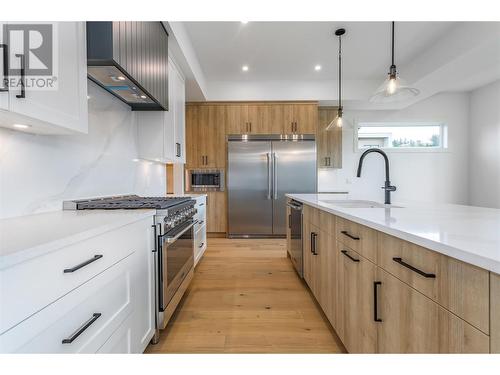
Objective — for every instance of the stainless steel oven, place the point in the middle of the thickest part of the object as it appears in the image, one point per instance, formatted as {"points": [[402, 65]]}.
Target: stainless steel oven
{"points": [[176, 260], [204, 180]]}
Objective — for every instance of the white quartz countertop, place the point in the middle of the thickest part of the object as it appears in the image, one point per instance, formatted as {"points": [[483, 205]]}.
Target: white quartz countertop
{"points": [[26, 237], [470, 234]]}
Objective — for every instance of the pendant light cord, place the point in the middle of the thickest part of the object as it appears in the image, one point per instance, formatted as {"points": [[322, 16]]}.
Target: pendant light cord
{"points": [[340, 71], [392, 43]]}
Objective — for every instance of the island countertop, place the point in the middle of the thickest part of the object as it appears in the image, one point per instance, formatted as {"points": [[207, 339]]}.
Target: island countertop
{"points": [[467, 233]]}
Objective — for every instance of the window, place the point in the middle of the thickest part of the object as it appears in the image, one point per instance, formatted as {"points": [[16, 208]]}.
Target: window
{"points": [[402, 136]]}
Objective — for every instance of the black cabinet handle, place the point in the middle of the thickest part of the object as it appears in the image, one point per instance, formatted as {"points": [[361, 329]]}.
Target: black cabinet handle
{"points": [[82, 329], [202, 244], [201, 222], [178, 149], [315, 237], [201, 204], [409, 266], [350, 257], [5, 55], [313, 243], [290, 221], [375, 301], [81, 265], [346, 233], [22, 70]]}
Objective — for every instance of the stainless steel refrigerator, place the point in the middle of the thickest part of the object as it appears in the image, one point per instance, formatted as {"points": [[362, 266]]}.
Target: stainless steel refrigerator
{"points": [[261, 170]]}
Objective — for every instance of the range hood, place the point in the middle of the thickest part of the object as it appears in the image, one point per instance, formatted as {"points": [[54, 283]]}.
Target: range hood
{"points": [[130, 60]]}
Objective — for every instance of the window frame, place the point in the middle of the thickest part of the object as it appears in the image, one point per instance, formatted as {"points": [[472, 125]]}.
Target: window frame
{"points": [[443, 135]]}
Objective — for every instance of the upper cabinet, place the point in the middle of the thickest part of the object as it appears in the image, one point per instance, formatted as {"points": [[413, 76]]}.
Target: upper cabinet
{"points": [[161, 134], [44, 89], [328, 142], [206, 139], [254, 119], [129, 59], [300, 118]]}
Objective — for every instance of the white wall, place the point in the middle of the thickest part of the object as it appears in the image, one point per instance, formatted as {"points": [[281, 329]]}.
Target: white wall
{"points": [[484, 146], [38, 172], [419, 176]]}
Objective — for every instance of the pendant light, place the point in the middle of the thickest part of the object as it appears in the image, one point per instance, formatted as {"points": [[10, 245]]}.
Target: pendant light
{"points": [[393, 89], [338, 121]]}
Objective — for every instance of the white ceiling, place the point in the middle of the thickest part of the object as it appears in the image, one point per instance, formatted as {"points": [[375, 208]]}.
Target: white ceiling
{"points": [[290, 50], [432, 56]]}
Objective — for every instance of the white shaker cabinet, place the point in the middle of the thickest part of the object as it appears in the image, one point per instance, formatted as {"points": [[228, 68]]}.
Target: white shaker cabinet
{"points": [[60, 110], [161, 133], [200, 228]]}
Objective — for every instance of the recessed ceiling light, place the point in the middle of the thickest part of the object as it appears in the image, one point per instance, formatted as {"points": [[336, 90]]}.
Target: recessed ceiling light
{"points": [[22, 126], [143, 96], [317, 67], [121, 78], [244, 68]]}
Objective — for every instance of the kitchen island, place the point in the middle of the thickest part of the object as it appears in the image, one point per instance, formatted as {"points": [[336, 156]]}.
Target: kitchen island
{"points": [[407, 278]]}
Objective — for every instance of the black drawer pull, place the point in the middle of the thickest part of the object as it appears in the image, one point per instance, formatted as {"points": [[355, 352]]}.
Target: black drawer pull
{"points": [[82, 329], [201, 204], [424, 274], [202, 244], [313, 243], [350, 257], [346, 233], [201, 222], [81, 265], [375, 301]]}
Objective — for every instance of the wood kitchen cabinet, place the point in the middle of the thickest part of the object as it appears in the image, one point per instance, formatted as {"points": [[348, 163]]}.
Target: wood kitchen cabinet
{"points": [[359, 329], [254, 119], [328, 142], [412, 323], [300, 118], [216, 212], [205, 136], [495, 312]]}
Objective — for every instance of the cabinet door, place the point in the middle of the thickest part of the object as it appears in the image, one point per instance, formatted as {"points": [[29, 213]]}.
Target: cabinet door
{"points": [[306, 118], [288, 230], [412, 323], [495, 312], [66, 106], [4, 93], [326, 267], [179, 101], [214, 137], [329, 143], [360, 329], [288, 119], [308, 256], [236, 119], [269, 119], [193, 138], [216, 212]]}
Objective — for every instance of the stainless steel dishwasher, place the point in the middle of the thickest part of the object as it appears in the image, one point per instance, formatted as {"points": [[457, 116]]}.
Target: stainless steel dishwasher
{"points": [[296, 243]]}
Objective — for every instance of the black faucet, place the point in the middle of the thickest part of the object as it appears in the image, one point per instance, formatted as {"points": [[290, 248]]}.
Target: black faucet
{"points": [[387, 187]]}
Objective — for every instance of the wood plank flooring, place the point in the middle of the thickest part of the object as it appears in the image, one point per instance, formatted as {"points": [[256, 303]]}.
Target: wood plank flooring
{"points": [[246, 298]]}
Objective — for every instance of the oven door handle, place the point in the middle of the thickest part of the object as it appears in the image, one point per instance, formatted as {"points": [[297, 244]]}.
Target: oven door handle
{"points": [[172, 238]]}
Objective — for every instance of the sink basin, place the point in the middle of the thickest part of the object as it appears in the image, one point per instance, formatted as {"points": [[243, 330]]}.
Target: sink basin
{"points": [[358, 204]]}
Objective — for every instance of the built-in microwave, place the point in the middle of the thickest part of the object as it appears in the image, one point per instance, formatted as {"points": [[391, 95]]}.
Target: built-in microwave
{"points": [[204, 180]]}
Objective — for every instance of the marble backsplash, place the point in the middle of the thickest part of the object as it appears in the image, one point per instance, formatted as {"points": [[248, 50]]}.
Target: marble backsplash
{"points": [[38, 172]]}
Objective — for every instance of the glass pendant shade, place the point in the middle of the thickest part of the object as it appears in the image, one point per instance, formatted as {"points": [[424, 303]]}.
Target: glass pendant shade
{"points": [[394, 89], [337, 122]]}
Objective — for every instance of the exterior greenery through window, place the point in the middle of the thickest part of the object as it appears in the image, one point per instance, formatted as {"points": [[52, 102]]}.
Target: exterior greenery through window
{"points": [[401, 135]]}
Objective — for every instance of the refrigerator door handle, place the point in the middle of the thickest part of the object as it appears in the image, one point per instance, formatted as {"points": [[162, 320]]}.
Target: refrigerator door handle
{"points": [[269, 175], [275, 176]]}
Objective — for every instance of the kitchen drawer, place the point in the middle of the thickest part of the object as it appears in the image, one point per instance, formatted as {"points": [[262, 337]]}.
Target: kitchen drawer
{"points": [[200, 243], [358, 237], [200, 206], [120, 341], [32, 285], [311, 215], [459, 287], [108, 294]]}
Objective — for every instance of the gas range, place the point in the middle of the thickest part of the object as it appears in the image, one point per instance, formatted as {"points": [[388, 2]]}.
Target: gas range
{"points": [[171, 211]]}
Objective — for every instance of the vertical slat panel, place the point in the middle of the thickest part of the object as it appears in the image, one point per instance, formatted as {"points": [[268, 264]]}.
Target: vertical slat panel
{"points": [[123, 45], [116, 41]]}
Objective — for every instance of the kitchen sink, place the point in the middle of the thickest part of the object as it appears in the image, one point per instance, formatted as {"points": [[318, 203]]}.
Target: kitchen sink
{"points": [[358, 204]]}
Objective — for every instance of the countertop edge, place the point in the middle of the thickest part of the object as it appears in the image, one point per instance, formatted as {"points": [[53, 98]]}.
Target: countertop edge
{"points": [[10, 260], [452, 252]]}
